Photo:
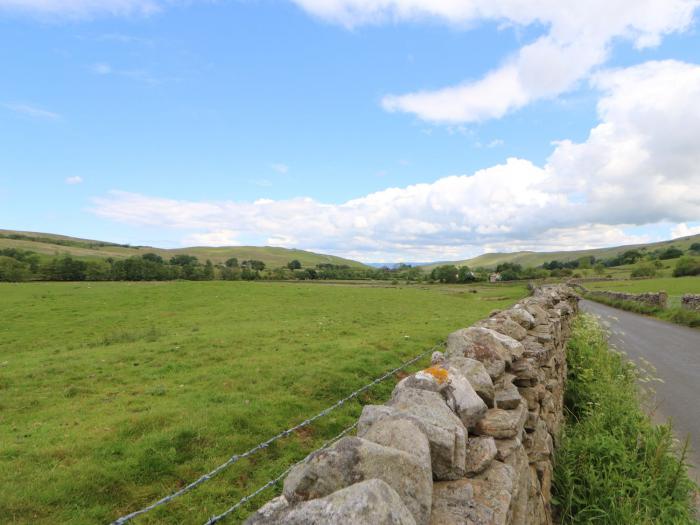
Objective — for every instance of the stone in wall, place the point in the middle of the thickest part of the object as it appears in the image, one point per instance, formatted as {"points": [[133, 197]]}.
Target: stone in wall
{"points": [[691, 302]]}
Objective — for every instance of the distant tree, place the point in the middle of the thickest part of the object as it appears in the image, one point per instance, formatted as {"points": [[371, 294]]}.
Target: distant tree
{"points": [[153, 257], [183, 260], [599, 268], [585, 263], [208, 271], [99, 270], [687, 266], [12, 270], [254, 265], [65, 268], [232, 262], [465, 275], [248, 274], [695, 247], [670, 253], [294, 265], [446, 273]]}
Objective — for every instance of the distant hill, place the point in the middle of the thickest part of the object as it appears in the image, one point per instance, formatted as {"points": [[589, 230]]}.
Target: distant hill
{"points": [[51, 244], [491, 260]]}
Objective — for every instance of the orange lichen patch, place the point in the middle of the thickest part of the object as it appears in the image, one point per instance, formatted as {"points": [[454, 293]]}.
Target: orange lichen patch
{"points": [[438, 373]]}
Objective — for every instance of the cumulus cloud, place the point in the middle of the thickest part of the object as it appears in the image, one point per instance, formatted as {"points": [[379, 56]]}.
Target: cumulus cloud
{"points": [[81, 8], [213, 238], [640, 165], [577, 40], [683, 230], [74, 180]]}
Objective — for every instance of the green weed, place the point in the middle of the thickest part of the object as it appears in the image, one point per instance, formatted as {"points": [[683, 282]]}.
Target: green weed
{"points": [[614, 466]]}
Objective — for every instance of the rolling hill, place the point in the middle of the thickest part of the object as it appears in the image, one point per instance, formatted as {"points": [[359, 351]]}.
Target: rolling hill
{"points": [[51, 244], [527, 258]]}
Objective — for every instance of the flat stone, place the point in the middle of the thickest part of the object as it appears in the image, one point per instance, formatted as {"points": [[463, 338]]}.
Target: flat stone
{"points": [[502, 424], [526, 372], [463, 399], [538, 312], [485, 345], [477, 375], [505, 447], [481, 451], [521, 316], [371, 502], [354, 459], [454, 503], [531, 395], [539, 444], [507, 395], [519, 462], [402, 434], [503, 324]]}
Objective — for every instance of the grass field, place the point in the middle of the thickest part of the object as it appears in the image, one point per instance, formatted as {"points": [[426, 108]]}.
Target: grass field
{"points": [[115, 394]]}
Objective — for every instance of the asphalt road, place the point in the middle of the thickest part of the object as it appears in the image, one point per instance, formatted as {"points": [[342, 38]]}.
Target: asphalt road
{"points": [[674, 351]]}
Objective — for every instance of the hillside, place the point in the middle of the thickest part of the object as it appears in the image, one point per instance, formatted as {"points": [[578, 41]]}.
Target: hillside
{"points": [[526, 258], [51, 244]]}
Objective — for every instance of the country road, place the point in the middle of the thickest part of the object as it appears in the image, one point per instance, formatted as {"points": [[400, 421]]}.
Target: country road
{"points": [[675, 352]]}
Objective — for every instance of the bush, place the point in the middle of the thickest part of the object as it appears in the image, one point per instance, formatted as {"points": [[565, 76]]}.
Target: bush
{"points": [[12, 270], [670, 253], [644, 270], [687, 266], [613, 465]]}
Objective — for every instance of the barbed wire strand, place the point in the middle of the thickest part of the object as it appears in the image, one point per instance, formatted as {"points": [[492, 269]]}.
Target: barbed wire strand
{"points": [[272, 482], [237, 457]]}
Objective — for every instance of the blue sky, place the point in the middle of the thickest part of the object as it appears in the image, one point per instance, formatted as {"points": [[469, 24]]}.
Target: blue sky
{"points": [[383, 131]]}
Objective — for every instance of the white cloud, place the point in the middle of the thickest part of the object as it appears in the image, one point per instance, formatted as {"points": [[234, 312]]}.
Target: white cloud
{"points": [[74, 180], [81, 8], [32, 111], [102, 68], [213, 238], [640, 165], [280, 167], [683, 230], [577, 40]]}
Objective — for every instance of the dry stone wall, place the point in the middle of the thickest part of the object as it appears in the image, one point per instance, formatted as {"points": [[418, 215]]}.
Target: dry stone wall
{"points": [[691, 302], [467, 441], [659, 299]]}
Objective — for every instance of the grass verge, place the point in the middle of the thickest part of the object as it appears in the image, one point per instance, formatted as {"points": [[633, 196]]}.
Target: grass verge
{"points": [[614, 466], [674, 314]]}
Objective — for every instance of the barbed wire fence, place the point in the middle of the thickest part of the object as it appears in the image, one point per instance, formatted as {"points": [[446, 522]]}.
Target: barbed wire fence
{"points": [[265, 444]]}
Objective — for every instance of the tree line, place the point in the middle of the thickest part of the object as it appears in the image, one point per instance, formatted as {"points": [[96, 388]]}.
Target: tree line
{"points": [[25, 265]]}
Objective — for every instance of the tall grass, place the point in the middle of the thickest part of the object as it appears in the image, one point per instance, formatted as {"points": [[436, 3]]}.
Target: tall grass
{"points": [[614, 466], [674, 314]]}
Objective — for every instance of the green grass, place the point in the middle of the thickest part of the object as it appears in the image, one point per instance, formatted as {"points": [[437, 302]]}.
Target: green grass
{"points": [[84, 248], [614, 466], [115, 394]]}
